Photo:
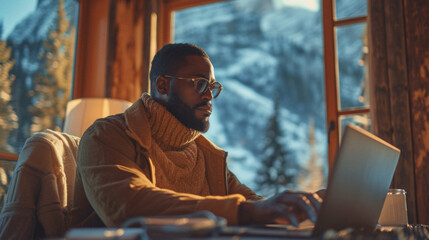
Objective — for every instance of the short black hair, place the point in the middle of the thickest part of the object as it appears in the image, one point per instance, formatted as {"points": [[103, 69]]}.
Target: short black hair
{"points": [[167, 60]]}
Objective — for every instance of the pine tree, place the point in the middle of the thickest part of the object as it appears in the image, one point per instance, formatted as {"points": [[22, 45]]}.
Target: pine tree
{"points": [[312, 177], [8, 118], [277, 169], [53, 83]]}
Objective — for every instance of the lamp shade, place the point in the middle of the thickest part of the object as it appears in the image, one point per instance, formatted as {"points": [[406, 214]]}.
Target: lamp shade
{"points": [[82, 112]]}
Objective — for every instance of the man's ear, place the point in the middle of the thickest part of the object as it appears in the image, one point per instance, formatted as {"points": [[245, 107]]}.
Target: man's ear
{"points": [[163, 85]]}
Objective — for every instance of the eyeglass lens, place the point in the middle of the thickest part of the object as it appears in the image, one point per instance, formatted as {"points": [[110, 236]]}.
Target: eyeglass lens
{"points": [[216, 90], [203, 84]]}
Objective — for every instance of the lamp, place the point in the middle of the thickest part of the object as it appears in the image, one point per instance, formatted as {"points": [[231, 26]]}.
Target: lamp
{"points": [[82, 112]]}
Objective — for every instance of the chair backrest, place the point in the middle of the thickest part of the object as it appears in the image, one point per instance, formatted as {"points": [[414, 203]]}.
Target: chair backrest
{"points": [[40, 193]]}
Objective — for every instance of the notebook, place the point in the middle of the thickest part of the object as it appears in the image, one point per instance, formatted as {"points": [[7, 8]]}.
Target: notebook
{"points": [[357, 186]]}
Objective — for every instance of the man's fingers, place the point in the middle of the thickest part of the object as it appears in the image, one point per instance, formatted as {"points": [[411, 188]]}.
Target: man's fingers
{"points": [[321, 193], [286, 217], [289, 207], [316, 201], [303, 202]]}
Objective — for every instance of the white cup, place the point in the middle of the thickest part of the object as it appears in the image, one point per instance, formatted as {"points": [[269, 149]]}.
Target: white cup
{"points": [[394, 212]]}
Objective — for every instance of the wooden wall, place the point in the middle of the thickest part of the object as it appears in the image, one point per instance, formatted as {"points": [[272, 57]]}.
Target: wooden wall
{"points": [[417, 32], [128, 52], [399, 73]]}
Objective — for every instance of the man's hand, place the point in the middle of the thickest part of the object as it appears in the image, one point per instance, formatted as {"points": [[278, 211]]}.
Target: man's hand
{"points": [[289, 207]]}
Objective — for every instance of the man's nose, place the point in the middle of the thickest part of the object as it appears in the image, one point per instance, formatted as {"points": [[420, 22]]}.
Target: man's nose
{"points": [[207, 95]]}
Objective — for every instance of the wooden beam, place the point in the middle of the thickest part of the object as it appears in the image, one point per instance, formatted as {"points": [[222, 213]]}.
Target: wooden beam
{"points": [[124, 74], [164, 25], [398, 78], [399, 65], [150, 9], [380, 90], [417, 32], [90, 67]]}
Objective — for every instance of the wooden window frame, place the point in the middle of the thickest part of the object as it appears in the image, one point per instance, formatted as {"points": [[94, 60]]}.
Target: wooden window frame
{"points": [[9, 156], [333, 109], [165, 16]]}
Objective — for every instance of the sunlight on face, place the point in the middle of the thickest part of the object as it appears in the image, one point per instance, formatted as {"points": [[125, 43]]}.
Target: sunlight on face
{"points": [[312, 5]]}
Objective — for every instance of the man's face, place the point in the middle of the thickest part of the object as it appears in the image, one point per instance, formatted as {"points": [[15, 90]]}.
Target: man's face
{"points": [[184, 102]]}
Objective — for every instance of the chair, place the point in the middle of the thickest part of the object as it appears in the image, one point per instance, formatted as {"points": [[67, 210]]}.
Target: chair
{"points": [[40, 193]]}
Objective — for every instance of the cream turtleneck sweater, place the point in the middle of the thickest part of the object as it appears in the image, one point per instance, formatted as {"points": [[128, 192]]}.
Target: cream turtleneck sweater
{"points": [[179, 166]]}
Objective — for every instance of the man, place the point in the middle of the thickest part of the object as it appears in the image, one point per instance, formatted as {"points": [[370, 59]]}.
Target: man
{"points": [[152, 160]]}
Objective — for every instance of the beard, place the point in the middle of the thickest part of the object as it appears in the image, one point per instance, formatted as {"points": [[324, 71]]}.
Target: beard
{"points": [[186, 115]]}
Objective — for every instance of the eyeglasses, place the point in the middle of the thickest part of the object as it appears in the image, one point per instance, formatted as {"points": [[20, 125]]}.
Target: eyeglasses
{"points": [[202, 84]]}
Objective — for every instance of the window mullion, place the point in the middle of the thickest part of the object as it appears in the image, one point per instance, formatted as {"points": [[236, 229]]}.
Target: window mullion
{"points": [[331, 85], [8, 156], [349, 21]]}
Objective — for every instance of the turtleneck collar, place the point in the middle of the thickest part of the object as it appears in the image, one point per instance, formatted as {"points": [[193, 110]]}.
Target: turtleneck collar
{"points": [[168, 132]]}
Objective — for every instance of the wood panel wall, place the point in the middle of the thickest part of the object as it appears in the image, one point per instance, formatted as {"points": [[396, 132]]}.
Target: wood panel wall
{"points": [[127, 57], [399, 73], [417, 32]]}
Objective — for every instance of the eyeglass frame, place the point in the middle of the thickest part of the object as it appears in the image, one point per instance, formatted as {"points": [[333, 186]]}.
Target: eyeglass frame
{"points": [[195, 80]]}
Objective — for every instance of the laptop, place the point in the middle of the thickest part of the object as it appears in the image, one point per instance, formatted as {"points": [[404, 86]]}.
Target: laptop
{"points": [[357, 186]]}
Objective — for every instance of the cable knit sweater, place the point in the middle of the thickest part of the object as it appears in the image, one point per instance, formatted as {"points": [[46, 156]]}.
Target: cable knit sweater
{"points": [[179, 166], [144, 162]]}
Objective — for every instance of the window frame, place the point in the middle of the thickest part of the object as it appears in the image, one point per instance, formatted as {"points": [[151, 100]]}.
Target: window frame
{"points": [[165, 17], [9, 156], [332, 96]]}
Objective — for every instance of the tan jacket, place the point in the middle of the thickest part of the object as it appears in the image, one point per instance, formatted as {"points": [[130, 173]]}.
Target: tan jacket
{"points": [[115, 179]]}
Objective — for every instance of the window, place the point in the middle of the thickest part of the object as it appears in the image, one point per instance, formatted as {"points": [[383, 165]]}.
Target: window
{"points": [[37, 48], [272, 51], [37, 44]]}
